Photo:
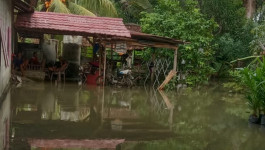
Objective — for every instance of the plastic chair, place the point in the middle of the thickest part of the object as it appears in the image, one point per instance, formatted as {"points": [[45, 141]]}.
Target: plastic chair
{"points": [[60, 72]]}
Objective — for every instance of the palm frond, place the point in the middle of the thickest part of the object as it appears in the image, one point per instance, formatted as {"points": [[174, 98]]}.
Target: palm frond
{"points": [[40, 7], [79, 10], [99, 7], [58, 7]]}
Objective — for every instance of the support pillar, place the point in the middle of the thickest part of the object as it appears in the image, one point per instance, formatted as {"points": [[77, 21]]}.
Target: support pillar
{"points": [[105, 63], [100, 63], [175, 67], [153, 68]]}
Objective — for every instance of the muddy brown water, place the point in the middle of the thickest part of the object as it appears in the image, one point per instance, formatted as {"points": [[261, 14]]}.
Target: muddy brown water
{"points": [[70, 117]]}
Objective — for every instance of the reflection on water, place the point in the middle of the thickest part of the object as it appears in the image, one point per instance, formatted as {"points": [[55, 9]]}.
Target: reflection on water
{"points": [[4, 121], [71, 117]]}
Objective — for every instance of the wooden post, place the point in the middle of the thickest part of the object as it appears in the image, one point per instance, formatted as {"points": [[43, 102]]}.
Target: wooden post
{"points": [[175, 60], [111, 53], [100, 63], [153, 69], [111, 57], [170, 107], [104, 67]]}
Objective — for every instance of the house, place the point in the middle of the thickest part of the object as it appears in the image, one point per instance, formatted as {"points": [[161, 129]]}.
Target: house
{"points": [[7, 47]]}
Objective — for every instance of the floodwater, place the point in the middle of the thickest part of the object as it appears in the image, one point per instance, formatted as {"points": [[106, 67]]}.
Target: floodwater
{"points": [[42, 116]]}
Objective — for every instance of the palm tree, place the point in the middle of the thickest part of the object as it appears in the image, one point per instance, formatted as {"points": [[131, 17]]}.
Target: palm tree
{"points": [[79, 7], [99, 7]]}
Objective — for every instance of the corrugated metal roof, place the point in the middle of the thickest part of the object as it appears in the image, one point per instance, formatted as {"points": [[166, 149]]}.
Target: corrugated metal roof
{"points": [[23, 6], [141, 40], [68, 24], [155, 38]]}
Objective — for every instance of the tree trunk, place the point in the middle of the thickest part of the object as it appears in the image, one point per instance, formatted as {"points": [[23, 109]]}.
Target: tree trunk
{"points": [[250, 8]]}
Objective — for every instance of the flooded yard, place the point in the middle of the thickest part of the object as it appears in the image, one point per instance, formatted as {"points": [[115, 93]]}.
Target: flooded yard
{"points": [[69, 117]]}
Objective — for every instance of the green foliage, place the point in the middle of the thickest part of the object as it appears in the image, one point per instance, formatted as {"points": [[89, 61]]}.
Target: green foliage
{"points": [[230, 15], [185, 22], [172, 84], [58, 7], [79, 10], [144, 4], [40, 7], [234, 34], [99, 7], [260, 12], [229, 47], [254, 81], [257, 44], [130, 10]]}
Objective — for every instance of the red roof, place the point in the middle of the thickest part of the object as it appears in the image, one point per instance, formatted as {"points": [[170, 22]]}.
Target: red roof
{"points": [[68, 24]]}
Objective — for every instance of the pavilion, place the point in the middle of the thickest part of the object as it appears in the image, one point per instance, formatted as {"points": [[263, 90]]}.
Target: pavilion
{"points": [[108, 31]]}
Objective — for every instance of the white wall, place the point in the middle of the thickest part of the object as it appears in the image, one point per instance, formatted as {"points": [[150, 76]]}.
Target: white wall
{"points": [[49, 51], [6, 29], [5, 122]]}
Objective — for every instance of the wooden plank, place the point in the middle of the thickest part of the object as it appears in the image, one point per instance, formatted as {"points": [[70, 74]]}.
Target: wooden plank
{"points": [[166, 100], [157, 45], [104, 67], [175, 60], [171, 74], [170, 107]]}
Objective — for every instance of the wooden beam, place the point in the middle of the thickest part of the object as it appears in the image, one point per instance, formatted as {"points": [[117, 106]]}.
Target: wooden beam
{"points": [[104, 67], [89, 41], [175, 59], [139, 43], [171, 74], [154, 67], [22, 6], [156, 45]]}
